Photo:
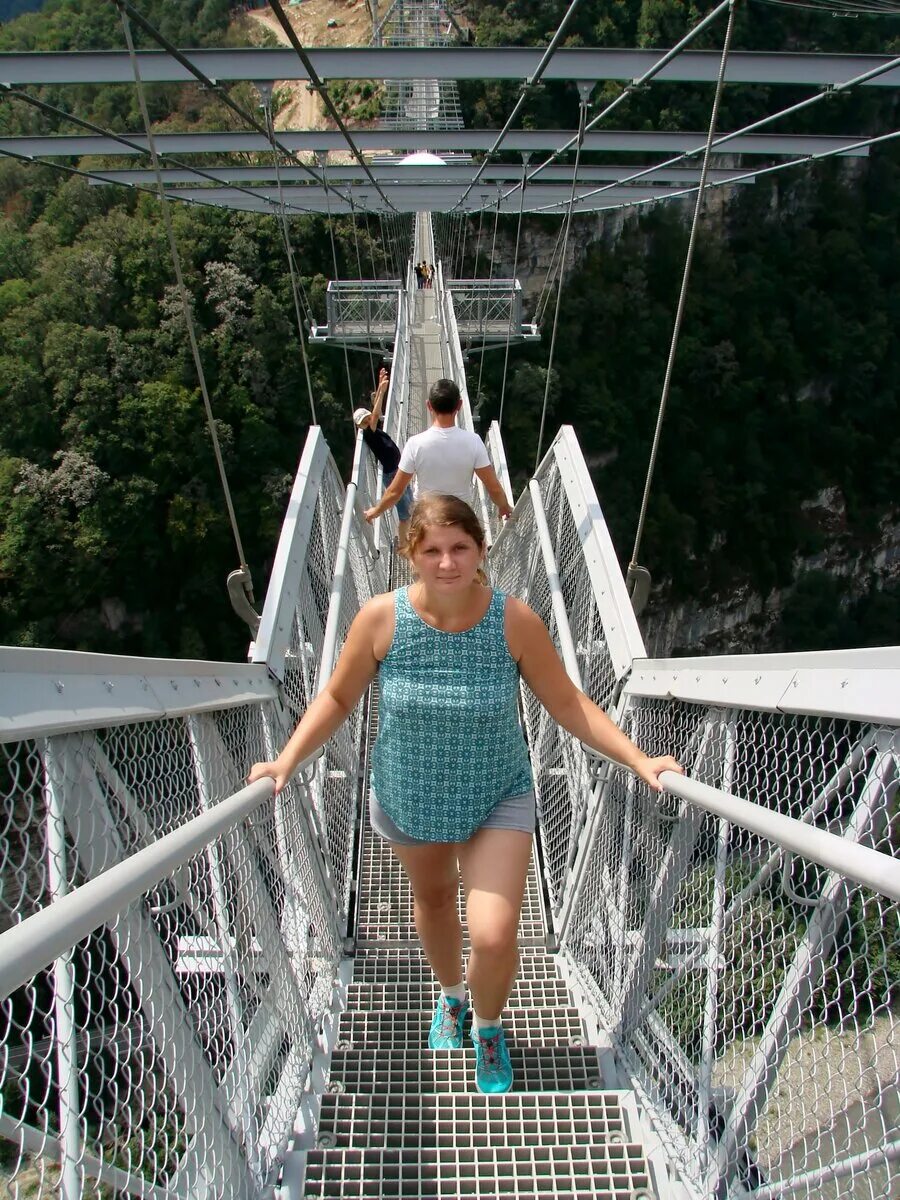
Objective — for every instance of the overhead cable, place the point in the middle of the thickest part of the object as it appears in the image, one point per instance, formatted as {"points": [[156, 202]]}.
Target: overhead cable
{"points": [[52, 110], [186, 307], [289, 251], [512, 290], [527, 86], [724, 138], [682, 297], [322, 91], [582, 118], [635, 85], [215, 88]]}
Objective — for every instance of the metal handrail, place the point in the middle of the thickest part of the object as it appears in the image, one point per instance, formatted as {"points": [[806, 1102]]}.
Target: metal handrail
{"points": [[864, 865], [36, 942]]}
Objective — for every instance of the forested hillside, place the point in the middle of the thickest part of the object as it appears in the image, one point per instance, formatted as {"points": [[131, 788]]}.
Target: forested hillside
{"points": [[113, 531], [113, 534]]}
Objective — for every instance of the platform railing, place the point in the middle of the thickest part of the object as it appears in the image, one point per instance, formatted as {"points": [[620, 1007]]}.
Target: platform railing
{"points": [[170, 936]]}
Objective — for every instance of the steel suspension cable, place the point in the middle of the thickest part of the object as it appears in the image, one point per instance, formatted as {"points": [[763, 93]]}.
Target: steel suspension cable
{"points": [[359, 274], [52, 110], [289, 251], [323, 161], [635, 85], [582, 119], [210, 84], [512, 290], [186, 306], [685, 279], [550, 277], [758, 172], [527, 87], [724, 138], [488, 300]]}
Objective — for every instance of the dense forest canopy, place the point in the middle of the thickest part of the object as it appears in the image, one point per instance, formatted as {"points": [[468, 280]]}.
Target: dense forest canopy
{"points": [[113, 533]]}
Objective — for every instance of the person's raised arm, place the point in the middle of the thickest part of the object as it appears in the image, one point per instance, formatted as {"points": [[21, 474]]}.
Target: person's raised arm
{"points": [[391, 495], [494, 487], [380, 394], [531, 647], [355, 669]]}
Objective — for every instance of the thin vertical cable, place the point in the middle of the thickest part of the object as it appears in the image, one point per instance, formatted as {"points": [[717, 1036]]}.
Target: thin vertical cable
{"points": [[582, 117], [324, 165], [289, 250], [185, 301], [512, 290], [701, 196], [488, 300]]}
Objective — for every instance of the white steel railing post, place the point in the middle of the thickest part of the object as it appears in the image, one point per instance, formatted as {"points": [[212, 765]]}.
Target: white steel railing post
{"points": [[713, 951], [70, 1182]]}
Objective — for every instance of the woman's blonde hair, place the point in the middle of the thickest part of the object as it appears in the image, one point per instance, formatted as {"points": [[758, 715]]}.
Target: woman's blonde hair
{"points": [[444, 511]]}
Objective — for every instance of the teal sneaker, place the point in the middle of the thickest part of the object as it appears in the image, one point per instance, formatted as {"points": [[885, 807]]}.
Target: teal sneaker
{"points": [[447, 1024], [493, 1070]]}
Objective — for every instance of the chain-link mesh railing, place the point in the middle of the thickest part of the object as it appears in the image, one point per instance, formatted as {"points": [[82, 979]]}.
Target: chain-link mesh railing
{"points": [[162, 1051], [326, 567], [557, 544], [752, 992]]}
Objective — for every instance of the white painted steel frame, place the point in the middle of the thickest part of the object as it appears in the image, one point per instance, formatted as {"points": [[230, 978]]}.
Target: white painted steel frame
{"points": [[44, 692], [861, 685], [276, 624]]}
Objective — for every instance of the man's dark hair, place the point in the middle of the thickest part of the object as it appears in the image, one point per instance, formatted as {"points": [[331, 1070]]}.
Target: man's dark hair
{"points": [[444, 396]]}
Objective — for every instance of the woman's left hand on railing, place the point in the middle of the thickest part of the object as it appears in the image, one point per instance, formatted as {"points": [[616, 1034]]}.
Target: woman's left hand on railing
{"points": [[650, 769]]}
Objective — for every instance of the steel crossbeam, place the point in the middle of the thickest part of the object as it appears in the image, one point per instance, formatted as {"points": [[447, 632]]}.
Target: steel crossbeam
{"points": [[437, 140], [437, 62]]}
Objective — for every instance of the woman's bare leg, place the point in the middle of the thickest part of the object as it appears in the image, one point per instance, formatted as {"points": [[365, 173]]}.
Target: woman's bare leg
{"points": [[434, 876], [494, 866]]}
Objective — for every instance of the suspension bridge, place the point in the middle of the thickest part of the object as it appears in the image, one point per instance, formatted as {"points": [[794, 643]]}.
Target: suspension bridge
{"points": [[210, 991]]}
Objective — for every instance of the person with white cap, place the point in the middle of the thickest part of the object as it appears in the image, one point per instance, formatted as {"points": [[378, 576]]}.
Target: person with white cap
{"points": [[385, 450]]}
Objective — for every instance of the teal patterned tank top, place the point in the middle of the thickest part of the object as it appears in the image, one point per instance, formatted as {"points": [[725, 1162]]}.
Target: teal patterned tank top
{"points": [[449, 744]]}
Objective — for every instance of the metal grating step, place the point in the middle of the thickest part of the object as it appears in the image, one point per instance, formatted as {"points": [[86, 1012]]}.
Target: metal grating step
{"points": [[526, 993], [413, 1070], [407, 1031], [407, 967], [549, 1119], [564, 1172]]}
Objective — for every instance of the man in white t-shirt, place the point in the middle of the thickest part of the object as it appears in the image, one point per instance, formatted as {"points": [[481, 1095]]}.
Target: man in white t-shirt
{"points": [[443, 458]]}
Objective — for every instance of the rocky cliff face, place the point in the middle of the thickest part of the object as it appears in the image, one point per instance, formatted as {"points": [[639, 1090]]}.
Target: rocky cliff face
{"points": [[745, 620]]}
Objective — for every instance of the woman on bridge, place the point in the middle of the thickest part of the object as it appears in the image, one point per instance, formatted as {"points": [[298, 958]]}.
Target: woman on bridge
{"points": [[452, 789]]}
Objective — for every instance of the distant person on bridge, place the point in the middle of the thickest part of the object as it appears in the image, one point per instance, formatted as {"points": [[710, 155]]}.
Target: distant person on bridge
{"points": [[444, 458], [385, 449], [451, 788]]}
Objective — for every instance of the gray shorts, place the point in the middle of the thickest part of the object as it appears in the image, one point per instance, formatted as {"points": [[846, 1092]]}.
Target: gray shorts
{"points": [[515, 812]]}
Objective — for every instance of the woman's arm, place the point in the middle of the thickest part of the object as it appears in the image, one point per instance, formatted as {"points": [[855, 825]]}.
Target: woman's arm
{"points": [[531, 647], [354, 671]]}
